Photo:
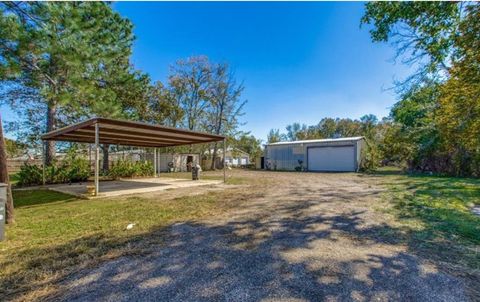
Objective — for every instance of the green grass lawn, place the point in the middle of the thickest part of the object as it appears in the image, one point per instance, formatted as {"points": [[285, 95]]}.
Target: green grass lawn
{"points": [[56, 233], [435, 213]]}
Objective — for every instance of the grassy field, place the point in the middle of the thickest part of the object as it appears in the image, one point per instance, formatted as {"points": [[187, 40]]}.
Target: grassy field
{"points": [[435, 214], [55, 233]]}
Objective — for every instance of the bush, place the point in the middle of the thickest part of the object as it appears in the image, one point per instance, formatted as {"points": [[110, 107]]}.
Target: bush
{"points": [[127, 168], [71, 169], [29, 175], [371, 157]]}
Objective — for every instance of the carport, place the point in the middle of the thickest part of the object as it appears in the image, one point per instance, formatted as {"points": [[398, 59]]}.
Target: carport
{"points": [[128, 133]]}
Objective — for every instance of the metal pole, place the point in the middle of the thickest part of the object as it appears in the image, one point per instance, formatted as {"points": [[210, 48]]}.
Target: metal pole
{"points": [[97, 157], [155, 162], [159, 163], [224, 154], [43, 162], [89, 159]]}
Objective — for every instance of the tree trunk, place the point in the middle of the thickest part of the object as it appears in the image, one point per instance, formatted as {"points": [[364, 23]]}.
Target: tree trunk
{"points": [[105, 167], [51, 123], [214, 157], [10, 218], [217, 132]]}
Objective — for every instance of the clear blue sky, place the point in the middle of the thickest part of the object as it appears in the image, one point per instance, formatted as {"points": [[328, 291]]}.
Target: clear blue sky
{"points": [[299, 62]]}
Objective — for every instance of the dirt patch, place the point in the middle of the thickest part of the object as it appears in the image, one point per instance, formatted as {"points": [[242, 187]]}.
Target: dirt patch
{"points": [[296, 237]]}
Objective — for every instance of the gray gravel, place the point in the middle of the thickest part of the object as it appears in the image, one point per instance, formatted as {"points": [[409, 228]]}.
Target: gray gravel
{"points": [[313, 238]]}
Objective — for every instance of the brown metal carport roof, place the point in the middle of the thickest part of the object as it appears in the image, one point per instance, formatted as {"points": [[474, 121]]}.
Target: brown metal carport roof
{"points": [[120, 132]]}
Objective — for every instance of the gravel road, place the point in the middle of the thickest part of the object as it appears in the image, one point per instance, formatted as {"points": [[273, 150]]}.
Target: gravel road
{"points": [[307, 237]]}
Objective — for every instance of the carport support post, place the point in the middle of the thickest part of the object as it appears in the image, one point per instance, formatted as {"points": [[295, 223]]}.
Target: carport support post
{"points": [[154, 162], [224, 154], [97, 158], [43, 162]]}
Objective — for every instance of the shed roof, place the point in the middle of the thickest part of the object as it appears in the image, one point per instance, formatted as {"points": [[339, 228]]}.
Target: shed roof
{"points": [[129, 133], [323, 140]]}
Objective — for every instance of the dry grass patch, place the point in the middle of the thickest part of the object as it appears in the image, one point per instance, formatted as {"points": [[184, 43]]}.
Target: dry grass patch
{"points": [[56, 234]]}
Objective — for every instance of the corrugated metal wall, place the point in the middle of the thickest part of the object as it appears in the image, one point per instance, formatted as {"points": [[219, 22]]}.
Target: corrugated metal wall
{"points": [[287, 156], [284, 157]]}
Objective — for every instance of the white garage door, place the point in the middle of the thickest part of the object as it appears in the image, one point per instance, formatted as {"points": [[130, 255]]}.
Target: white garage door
{"points": [[331, 159]]}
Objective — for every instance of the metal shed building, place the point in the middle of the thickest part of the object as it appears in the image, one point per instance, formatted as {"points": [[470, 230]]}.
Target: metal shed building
{"points": [[333, 155]]}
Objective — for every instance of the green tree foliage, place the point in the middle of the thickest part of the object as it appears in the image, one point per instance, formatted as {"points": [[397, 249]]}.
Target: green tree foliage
{"points": [[14, 148], [421, 32], [327, 128], [64, 62], [189, 82], [275, 136], [202, 96], [416, 136], [458, 112], [296, 132], [436, 122], [248, 143], [163, 107], [71, 57], [225, 106]]}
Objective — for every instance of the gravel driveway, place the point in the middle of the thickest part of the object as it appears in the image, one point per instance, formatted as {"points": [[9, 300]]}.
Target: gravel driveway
{"points": [[307, 237]]}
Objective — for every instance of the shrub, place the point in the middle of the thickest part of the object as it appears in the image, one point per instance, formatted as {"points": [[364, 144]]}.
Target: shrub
{"points": [[71, 169], [371, 157], [29, 175], [127, 168]]}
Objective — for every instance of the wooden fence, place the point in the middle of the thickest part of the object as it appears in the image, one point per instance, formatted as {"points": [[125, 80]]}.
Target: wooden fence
{"points": [[14, 165]]}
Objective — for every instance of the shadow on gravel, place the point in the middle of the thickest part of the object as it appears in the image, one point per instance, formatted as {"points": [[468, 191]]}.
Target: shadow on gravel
{"points": [[295, 257]]}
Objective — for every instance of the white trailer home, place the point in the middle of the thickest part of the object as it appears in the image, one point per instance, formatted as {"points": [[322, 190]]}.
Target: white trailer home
{"points": [[336, 155]]}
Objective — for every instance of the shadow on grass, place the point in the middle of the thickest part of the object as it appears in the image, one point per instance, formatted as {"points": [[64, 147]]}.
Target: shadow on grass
{"points": [[204, 262], [24, 198], [263, 257], [437, 212], [233, 261]]}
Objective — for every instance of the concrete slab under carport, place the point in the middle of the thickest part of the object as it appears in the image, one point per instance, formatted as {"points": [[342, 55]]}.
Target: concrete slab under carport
{"points": [[130, 186]]}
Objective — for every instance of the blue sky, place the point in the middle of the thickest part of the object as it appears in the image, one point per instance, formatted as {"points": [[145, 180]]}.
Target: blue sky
{"points": [[299, 62]]}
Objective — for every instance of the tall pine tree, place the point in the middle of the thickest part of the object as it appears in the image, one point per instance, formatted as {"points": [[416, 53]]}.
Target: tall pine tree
{"points": [[66, 55]]}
